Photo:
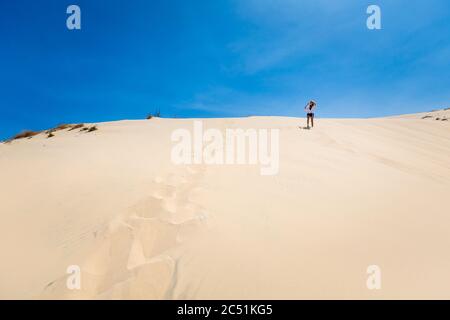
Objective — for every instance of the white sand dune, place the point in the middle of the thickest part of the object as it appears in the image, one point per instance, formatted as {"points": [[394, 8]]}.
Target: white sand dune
{"points": [[349, 194]]}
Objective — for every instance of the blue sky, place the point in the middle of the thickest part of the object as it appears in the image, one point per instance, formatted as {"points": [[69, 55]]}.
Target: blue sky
{"points": [[219, 58]]}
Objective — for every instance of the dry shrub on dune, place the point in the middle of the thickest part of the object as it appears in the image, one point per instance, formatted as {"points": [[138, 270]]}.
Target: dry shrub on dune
{"points": [[25, 134], [50, 133], [76, 126], [22, 135], [156, 114], [63, 127], [89, 129], [59, 127]]}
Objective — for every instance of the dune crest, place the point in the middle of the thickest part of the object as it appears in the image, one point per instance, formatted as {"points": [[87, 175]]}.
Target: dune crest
{"points": [[350, 193]]}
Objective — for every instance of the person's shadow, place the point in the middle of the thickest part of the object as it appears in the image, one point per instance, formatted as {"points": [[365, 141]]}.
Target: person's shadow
{"points": [[305, 128]]}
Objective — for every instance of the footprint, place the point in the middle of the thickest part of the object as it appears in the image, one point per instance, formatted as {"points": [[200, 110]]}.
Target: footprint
{"points": [[189, 229], [136, 257], [190, 211], [148, 208], [156, 237], [170, 205], [164, 191]]}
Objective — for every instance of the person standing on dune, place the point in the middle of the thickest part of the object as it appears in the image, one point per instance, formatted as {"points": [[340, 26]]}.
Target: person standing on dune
{"points": [[309, 109]]}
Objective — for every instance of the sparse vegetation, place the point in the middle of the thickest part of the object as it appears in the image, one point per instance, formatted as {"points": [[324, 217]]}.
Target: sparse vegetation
{"points": [[426, 117], [25, 134], [76, 126], [156, 114], [51, 132], [88, 129], [63, 126]]}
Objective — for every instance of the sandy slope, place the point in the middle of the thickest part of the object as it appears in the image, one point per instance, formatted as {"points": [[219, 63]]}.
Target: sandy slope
{"points": [[349, 194]]}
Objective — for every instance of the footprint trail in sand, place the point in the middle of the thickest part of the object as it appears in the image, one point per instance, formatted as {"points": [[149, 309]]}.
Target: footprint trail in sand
{"points": [[136, 258]]}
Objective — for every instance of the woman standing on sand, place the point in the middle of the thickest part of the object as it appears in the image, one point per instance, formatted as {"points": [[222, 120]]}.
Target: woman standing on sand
{"points": [[309, 108]]}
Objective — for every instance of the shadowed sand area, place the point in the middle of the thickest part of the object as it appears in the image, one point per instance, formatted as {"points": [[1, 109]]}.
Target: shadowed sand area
{"points": [[350, 193]]}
